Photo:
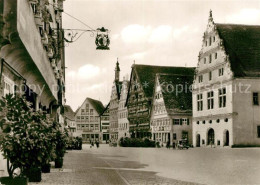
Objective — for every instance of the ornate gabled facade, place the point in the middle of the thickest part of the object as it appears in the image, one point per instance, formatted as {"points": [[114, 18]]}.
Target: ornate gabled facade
{"points": [[32, 53], [88, 120], [140, 95], [113, 107], [226, 86], [171, 114], [123, 123]]}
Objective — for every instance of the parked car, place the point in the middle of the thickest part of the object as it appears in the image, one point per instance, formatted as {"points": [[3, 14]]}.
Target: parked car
{"points": [[182, 143]]}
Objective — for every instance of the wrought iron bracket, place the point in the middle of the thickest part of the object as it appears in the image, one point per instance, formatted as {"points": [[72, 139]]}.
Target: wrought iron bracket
{"points": [[102, 40]]}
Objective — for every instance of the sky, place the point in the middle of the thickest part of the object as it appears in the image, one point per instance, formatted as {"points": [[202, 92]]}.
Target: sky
{"points": [[152, 32]]}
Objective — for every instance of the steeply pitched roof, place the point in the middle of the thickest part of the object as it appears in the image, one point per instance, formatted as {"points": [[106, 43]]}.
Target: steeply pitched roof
{"points": [[118, 88], [68, 112], [176, 90], [242, 44], [146, 74], [97, 105], [105, 109]]}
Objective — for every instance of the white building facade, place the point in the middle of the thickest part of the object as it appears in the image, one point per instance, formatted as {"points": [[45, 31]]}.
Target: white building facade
{"points": [[226, 86], [171, 115], [123, 123], [88, 120]]}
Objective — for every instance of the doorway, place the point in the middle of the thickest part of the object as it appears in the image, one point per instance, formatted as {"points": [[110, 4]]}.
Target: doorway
{"points": [[226, 138], [198, 140], [211, 137]]}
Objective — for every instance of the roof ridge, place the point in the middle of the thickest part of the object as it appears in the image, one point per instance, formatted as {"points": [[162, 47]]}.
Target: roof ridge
{"points": [[231, 24], [163, 66], [170, 74]]}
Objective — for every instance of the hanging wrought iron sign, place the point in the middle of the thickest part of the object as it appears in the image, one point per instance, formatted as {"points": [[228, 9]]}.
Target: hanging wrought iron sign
{"points": [[102, 39]]}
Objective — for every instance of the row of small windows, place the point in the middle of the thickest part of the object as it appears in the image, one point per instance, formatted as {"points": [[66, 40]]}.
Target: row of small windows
{"points": [[88, 127], [220, 73], [159, 109], [210, 121], [210, 99], [122, 126], [211, 56], [161, 122], [87, 118], [181, 121], [123, 115], [87, 111], [210, 40], [158, 95]]}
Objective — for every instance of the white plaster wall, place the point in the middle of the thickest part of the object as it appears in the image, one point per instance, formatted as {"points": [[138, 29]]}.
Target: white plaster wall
{"points": [[248, 115]]}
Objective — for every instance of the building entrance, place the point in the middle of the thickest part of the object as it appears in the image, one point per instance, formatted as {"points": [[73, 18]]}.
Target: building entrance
{"points": [[211, 137]]}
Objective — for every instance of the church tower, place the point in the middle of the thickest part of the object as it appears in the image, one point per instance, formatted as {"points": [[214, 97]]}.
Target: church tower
{"points": [[117, 71]]}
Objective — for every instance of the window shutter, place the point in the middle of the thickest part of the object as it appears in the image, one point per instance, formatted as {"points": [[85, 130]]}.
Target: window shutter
{"points": [[181, 121], [188, 121]]}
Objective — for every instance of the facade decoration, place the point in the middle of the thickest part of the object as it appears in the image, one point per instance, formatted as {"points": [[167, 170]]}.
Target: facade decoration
{"points": [[113, 107], [171, 114], [140, 95], [226, 86]]}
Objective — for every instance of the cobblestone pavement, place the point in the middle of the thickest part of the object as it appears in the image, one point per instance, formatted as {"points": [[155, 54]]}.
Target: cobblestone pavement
{"points": [[116, 165], [92, 167]]}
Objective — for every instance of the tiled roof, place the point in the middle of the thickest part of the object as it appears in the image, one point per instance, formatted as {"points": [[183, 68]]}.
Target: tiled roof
{"points": [[118, 88], [176, 90], [68, 112], [146, 74], [242, 44], [97, 105], [105, 109]]}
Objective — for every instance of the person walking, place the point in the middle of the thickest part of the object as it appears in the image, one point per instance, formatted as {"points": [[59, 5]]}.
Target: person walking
{"points": [[97, 143], [168, 144], [92, 143]]}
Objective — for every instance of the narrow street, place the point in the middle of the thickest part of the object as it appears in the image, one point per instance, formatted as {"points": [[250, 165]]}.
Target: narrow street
{"points": [[115, 165]]}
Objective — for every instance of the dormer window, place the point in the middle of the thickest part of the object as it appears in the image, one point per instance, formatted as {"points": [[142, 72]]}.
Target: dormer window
{"points": [[205, 60], [216, 55]]}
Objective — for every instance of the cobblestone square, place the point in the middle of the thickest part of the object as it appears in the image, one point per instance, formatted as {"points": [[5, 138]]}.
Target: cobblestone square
{"points": [[117, 165]]}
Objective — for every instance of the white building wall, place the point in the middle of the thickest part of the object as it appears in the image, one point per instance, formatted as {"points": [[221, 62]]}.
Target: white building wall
{"points": [[86, 127], [123, 123], [202, 118], [247, 116]]}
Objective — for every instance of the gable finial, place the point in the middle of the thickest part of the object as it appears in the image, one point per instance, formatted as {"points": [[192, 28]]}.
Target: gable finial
{"points": [[210, 15]]}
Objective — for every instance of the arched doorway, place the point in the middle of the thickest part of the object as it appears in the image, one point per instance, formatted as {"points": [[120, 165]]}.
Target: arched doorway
{"points": [[226, 138], [198, 140], [211, 137]]}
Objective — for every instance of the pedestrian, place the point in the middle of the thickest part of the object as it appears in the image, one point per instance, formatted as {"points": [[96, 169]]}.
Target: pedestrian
{"points": [[92, 143], [96, 143], [173, 145], [168, 144]]}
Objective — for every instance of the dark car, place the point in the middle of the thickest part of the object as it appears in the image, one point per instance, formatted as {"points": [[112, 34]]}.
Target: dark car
{"points": [[182, 143]]}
